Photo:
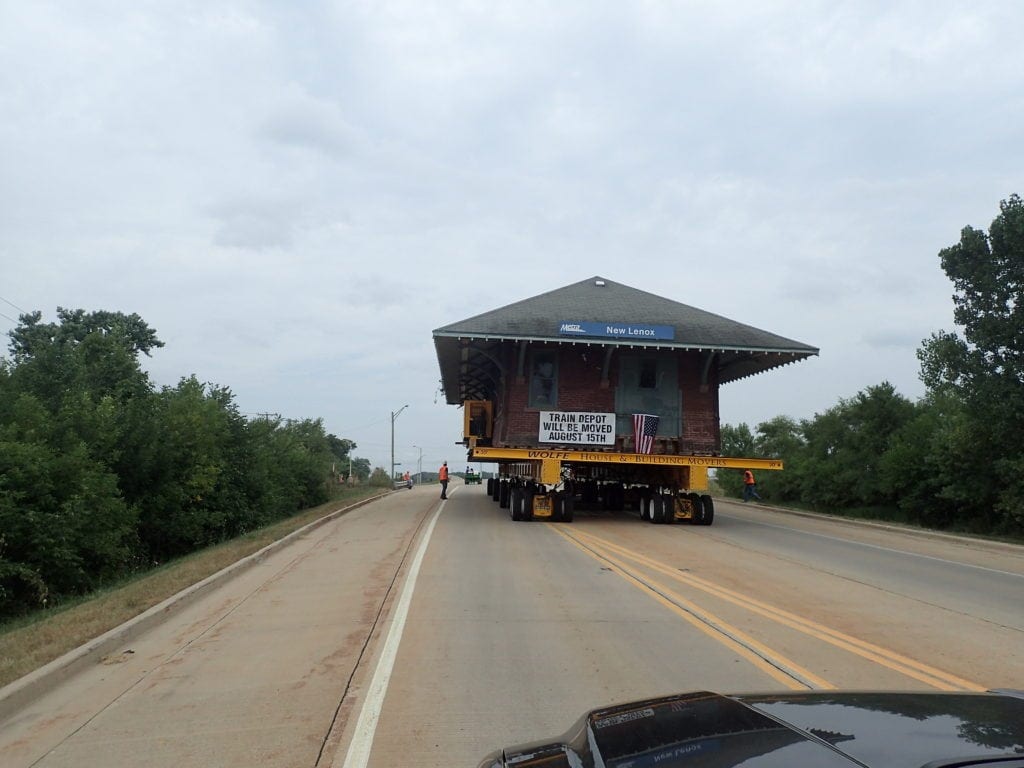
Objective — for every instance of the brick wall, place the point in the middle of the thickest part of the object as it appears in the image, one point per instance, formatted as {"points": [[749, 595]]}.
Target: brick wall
{"points": [[701, 432], [579, 389]]}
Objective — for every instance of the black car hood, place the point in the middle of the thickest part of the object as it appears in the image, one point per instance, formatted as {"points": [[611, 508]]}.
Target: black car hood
{"points": [[707, 730]]}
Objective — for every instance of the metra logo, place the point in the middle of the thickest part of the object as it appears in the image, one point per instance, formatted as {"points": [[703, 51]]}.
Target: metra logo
{"points": [[571, 328]]}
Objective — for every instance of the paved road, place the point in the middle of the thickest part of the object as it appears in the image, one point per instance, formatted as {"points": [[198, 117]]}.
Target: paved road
{"points": [[509, 631]]}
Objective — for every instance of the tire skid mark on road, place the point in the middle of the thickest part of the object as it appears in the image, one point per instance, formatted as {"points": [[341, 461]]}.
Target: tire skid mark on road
{"points": [[864, 582], [879, 547], [774, 664], [175, 657], [361, 744], [904, 665], [332, 728]]}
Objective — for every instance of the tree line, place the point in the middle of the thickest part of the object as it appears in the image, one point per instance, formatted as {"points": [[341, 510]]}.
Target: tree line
{"points": [[103, 474], [953, 459]]}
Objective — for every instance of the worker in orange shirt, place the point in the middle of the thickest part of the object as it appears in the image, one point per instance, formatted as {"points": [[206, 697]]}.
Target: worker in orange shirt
{"points": [[442, 475], [749, 486]]}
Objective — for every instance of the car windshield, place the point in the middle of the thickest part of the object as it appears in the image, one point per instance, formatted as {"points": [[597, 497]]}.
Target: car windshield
{"points": [[398, 383]]}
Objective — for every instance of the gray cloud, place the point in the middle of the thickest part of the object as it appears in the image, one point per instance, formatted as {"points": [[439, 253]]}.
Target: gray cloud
{"points": [[294, 195]]}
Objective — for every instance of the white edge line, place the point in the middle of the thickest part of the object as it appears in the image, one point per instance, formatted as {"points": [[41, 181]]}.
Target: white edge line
{"points": [[358, 754]]}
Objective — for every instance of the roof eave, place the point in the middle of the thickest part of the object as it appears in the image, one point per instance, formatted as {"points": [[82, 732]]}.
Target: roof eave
{"points": [[602, 342]]}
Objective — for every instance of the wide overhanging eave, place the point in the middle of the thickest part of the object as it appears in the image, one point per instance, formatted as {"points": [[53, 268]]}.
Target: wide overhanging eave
{"points": [[460, 383], [692, 346]]}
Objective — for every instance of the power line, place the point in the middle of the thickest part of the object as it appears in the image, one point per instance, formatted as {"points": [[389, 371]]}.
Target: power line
{"points": [[8, 317], [8, 301]]}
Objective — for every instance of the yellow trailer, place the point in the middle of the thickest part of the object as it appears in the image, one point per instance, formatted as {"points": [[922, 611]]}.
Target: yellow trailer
{"points": [[542, 483]]}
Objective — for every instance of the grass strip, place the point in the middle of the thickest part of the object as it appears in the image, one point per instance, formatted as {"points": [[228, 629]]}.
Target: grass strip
{"points": [[32, 641]]}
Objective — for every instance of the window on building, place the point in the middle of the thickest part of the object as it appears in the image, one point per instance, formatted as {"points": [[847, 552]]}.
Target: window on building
{"points": [[543, 380]]}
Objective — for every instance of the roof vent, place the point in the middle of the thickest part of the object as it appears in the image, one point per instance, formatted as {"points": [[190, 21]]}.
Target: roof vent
{"points": [[599, 282]]}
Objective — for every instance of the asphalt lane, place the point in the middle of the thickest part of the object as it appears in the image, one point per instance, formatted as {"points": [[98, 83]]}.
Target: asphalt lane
{"points": [[979, 579], [514, 632], [253, 673], [515, 629]]}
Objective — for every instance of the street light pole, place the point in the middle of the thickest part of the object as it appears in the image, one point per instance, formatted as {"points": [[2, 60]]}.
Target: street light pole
{"points": [[419, 465], [394, 415]]}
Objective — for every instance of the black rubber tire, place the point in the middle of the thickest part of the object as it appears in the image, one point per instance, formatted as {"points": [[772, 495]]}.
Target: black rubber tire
{"points": [[698, 508], [567, 506], [526, 504], [658, 509], [504, 493], [670, 509], [515, 503], [490, 486], [647, 508], [496, 489], [709, 510]]}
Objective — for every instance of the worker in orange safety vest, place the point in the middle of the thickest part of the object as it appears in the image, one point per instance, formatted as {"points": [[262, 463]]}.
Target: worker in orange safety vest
{"points": [[442, 475], [749, 486]]}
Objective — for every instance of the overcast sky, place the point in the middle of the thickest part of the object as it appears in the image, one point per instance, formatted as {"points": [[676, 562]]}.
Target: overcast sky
{"points": [[295, 194]]}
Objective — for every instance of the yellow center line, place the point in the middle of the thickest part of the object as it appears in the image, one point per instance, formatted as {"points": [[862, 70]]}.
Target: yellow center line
{"points": [[929, 675], [774, 664]]}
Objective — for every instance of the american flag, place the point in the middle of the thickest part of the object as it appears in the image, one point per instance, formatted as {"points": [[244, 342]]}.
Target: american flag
{"points": [[645, 427]]}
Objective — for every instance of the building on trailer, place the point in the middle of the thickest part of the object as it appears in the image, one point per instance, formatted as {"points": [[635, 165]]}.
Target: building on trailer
{"points": [[601, 393]]}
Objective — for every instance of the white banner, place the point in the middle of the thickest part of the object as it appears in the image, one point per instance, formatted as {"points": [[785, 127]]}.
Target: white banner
{"points": [[578, 427]]}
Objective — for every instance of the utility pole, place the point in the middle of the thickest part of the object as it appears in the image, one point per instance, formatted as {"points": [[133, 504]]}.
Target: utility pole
{"points": [[394, 415], [419, 465]]}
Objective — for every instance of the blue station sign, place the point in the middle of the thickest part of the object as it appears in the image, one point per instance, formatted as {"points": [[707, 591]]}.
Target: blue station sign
{"points": [[617, 330]]}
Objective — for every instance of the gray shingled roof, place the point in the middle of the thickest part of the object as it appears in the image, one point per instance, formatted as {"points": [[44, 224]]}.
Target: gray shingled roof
{"points": [[742, 349]]}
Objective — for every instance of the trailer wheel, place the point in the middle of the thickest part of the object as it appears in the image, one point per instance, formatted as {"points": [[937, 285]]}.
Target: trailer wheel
{"points": [[647, 508], [504, 492], [708, 505], [526, 504], [698, 508], [669, 505], [658, 509], [496, 489], [515, 503], [567, 500], [490, 486]]}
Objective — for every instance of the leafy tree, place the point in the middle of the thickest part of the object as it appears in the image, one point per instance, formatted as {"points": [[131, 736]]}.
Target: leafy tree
{"points": [[737, 441], [65, 528], [379, 477], [922, 467], [780, 438], [361, 469], [984, 368], [182, 471], [340, 447], [844, 447], [74, 327], [100, 474]]}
